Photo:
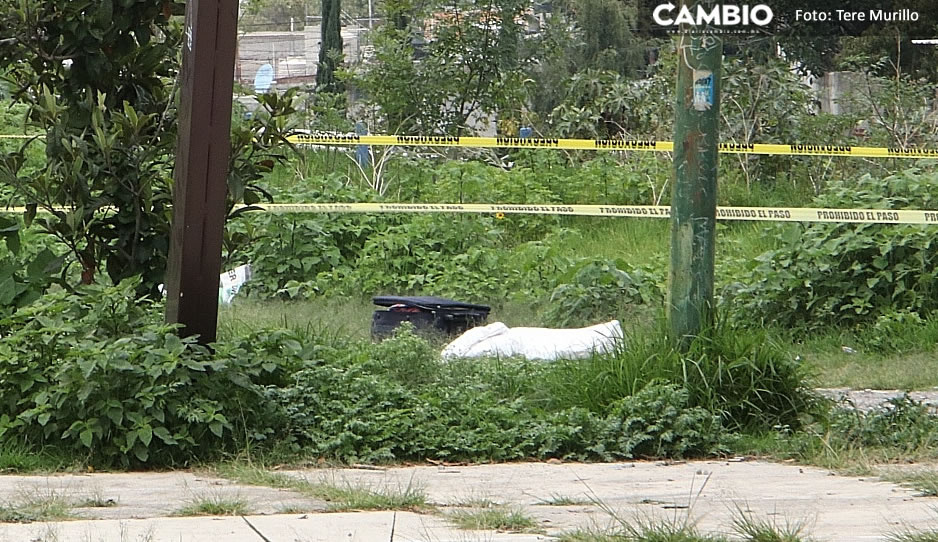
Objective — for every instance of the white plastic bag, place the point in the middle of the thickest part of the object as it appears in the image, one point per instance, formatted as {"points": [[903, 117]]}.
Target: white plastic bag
{"points": [[534, 342]]}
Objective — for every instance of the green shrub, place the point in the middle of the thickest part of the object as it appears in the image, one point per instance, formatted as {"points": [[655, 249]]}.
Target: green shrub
{"points": [[348, 413], [600, 290], [362, 405], [97, 373], [28, 266], [659, 421], [846, 274], [436, 254], [407, 358]]}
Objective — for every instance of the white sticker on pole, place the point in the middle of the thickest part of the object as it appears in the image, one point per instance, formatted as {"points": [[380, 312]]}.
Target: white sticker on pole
{"points": [[703, 90]]}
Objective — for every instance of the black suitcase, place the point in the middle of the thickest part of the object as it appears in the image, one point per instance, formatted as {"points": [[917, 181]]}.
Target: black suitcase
{"points": [[427, 314]]}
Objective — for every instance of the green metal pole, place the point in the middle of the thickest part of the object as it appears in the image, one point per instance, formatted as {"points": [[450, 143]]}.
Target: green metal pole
{"points": [[694, 193]]}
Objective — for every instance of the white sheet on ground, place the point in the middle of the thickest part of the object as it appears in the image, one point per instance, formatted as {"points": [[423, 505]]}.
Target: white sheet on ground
{"points": [[534, 342]]}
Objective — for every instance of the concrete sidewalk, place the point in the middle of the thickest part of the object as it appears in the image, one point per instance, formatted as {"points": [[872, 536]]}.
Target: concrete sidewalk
{"points": [[344, 527], [559, 497]]}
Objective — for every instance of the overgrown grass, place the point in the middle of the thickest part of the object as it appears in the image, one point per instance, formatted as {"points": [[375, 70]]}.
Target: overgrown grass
{"points": [[746, 528], [493, 518], [642, 531], [557, 499], [738, 373], [753, 529], [215, 506], [630, 238], [914, 366], [923, 481], [855, 442], [19, 458], [345, 497], [36, 505], [97, 500], [339, 495], [911, 535], [349, 318]]}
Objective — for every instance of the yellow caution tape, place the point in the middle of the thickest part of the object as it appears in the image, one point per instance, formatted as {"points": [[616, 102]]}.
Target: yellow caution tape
{"points": [[765, 214], [798, 149], [795, 149]]}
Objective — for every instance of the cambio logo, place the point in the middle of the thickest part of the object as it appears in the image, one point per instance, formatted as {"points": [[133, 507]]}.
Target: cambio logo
{"points": [[719, 15]]}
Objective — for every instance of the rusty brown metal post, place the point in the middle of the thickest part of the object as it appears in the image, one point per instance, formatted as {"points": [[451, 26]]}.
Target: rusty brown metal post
{"points": [[194, 265]]}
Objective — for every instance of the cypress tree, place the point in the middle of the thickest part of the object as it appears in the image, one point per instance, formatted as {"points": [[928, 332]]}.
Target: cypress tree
{"points": [[330, 48]]}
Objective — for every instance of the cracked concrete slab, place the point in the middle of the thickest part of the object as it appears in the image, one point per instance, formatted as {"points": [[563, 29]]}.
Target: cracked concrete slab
{"points": [[707, 493], [147, 494]]}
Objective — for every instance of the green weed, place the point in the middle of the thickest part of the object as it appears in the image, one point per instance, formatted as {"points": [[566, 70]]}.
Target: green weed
{"points": [[738, 373], [923, 481], [600, 290], [494, 518], [816, 280], [621, 238], [140, 392], [36, 505], [747, 529], [338, 496], [97, 500], [215, 506], [911, 535], [254, 475], [851, 441], [557, 499], [642, 531], [17, 458], [753, 529], [348, 318], [345, 497]]}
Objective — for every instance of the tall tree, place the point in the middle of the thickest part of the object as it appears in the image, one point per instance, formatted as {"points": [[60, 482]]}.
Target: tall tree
{"points": [[99, 78], [606, 30], [469, 64], [330, 47]]}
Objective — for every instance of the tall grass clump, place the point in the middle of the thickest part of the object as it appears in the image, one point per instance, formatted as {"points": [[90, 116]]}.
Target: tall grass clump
{"points": [[738, 373], [747, 377]]}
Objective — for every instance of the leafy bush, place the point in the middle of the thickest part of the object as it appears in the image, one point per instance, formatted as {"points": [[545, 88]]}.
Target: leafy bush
{"points": [[27, 266], [598, 290], [348, 413], [845, 274], [97, 373], [436, 254], [288, 251], [362, 404], [659, 421]]}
